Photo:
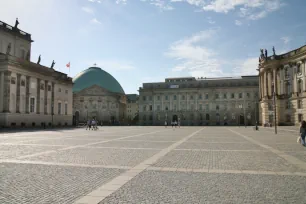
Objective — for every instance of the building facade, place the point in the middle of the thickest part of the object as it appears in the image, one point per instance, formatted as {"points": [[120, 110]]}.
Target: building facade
{"points": [[202, 101], [283, 76], [132, 109], [30, 94], [98, 95]]}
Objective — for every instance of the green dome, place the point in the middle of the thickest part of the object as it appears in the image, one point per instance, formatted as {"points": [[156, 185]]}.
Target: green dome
{"points": [[96, 76]]}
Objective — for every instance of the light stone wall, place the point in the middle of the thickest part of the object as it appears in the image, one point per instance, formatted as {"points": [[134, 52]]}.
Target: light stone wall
{"points": [[289, 70], [96, 102], [191, 109], [17, 45]]}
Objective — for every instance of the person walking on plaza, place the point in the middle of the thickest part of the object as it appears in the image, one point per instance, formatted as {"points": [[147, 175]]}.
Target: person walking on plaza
{"points": [[88, 124], [166, 124], [303, 132], [175, 123], [93, 124]]}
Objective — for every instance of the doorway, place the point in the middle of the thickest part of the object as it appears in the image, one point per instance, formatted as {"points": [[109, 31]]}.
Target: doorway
{"points": [[241, 118], [174, 118]]}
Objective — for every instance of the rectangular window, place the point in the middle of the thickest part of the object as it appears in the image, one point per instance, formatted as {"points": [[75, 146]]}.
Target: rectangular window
{"points": [[300, 105], [166, 98], [144, 108], [22, 83], [174, 97], [206, 96], [191, 97], [232, 95], [151, 108], [42, 86], [217, 107], [216, 96], [150, 98], [59, 108], [66, 91], [207, 107], [66, 108], [240, 95], [158, 98], [143, 98], [49, 87], [32, 105], [288, 105], [300, 117], [225, 96], [158, 107], [13, 80], [248, 95], [200, 96], [249, 105]]}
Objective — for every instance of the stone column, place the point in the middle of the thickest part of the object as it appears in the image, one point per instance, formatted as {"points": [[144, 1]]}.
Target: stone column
{"points": [[7, 91], [38, 96], [52, 98], [162, 102], [187, 100], [46, 98], [28, 78], [261, 94], [304, 74], [278, 83], [265, 84], [18, 94], [1, 90], [269, 84]]}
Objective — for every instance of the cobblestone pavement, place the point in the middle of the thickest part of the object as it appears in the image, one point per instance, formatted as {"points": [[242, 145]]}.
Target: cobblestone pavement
{"points": [[152, 165]]}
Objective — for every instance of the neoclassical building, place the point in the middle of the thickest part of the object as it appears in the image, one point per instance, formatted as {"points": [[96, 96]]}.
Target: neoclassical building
{"points": [[201, 101], [30, 94], [285, 77], [132, 109], [98, 95]]}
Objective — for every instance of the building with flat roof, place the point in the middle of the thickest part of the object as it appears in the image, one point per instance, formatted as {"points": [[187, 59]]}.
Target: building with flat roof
{"points": [[30, 94], [200, 101], [283, 87]]}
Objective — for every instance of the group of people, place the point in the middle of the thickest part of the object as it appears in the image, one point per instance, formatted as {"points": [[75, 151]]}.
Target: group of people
{"points": [[92, 125], [173, 123]]}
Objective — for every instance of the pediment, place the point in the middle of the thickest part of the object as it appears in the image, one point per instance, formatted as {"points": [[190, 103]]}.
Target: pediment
{"points": [[94, 90]]}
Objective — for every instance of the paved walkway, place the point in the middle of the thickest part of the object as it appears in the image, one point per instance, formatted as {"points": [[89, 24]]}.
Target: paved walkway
{"points": [[152, 165]]}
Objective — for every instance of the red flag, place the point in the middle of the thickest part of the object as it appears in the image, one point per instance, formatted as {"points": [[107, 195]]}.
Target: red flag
{"points": [[68, 65]]}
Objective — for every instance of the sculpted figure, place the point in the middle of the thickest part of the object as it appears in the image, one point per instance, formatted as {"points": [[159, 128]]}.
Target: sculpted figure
{"points": [[39, 58], [52, 65], [8, 50]]}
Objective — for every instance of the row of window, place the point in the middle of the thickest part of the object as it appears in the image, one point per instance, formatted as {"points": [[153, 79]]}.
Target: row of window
{"points": [[207, 117], [59, 107], [42, 85], [191, 97], [192, 107]]}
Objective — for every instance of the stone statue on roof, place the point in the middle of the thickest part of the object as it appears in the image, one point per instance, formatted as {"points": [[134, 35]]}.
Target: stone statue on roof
{"points": [[262, 56], [16, 23], [39, 58], [8, 50], [273, 49], [266, 53], [52, 65]]}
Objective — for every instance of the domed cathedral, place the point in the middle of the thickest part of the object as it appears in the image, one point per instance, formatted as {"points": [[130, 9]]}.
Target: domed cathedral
{"points": [[97, 94]]}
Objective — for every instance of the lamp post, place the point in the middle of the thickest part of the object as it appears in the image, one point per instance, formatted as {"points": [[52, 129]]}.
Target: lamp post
{"points": [[240, 107], [256, 104]]}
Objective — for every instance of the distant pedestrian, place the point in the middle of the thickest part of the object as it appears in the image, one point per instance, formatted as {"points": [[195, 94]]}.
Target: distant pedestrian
{"points": [[172, 124], [166, 124], [175, 123], [303, 132], [88, 124]]}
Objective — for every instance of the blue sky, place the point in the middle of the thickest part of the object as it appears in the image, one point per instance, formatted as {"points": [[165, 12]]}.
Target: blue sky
{"points": [[148, 40]]}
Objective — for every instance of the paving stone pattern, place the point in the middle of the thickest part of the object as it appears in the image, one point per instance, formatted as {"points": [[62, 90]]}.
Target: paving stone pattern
{"points": [[152, 165]]}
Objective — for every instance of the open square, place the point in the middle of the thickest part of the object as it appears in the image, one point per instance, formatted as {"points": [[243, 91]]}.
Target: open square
{"points": [[152, 165]]}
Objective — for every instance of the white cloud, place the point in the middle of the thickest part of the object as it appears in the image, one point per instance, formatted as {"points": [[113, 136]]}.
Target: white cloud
{"points": [[88, 10], [238, 23], [246, 67], [210, 21], [286, 40], [193, 56], [95, 21]]}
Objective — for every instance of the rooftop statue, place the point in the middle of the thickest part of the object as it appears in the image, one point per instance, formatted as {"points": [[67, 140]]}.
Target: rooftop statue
{"points": [[273, 49], [39, 58], [52, 65], [16, 23]]}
